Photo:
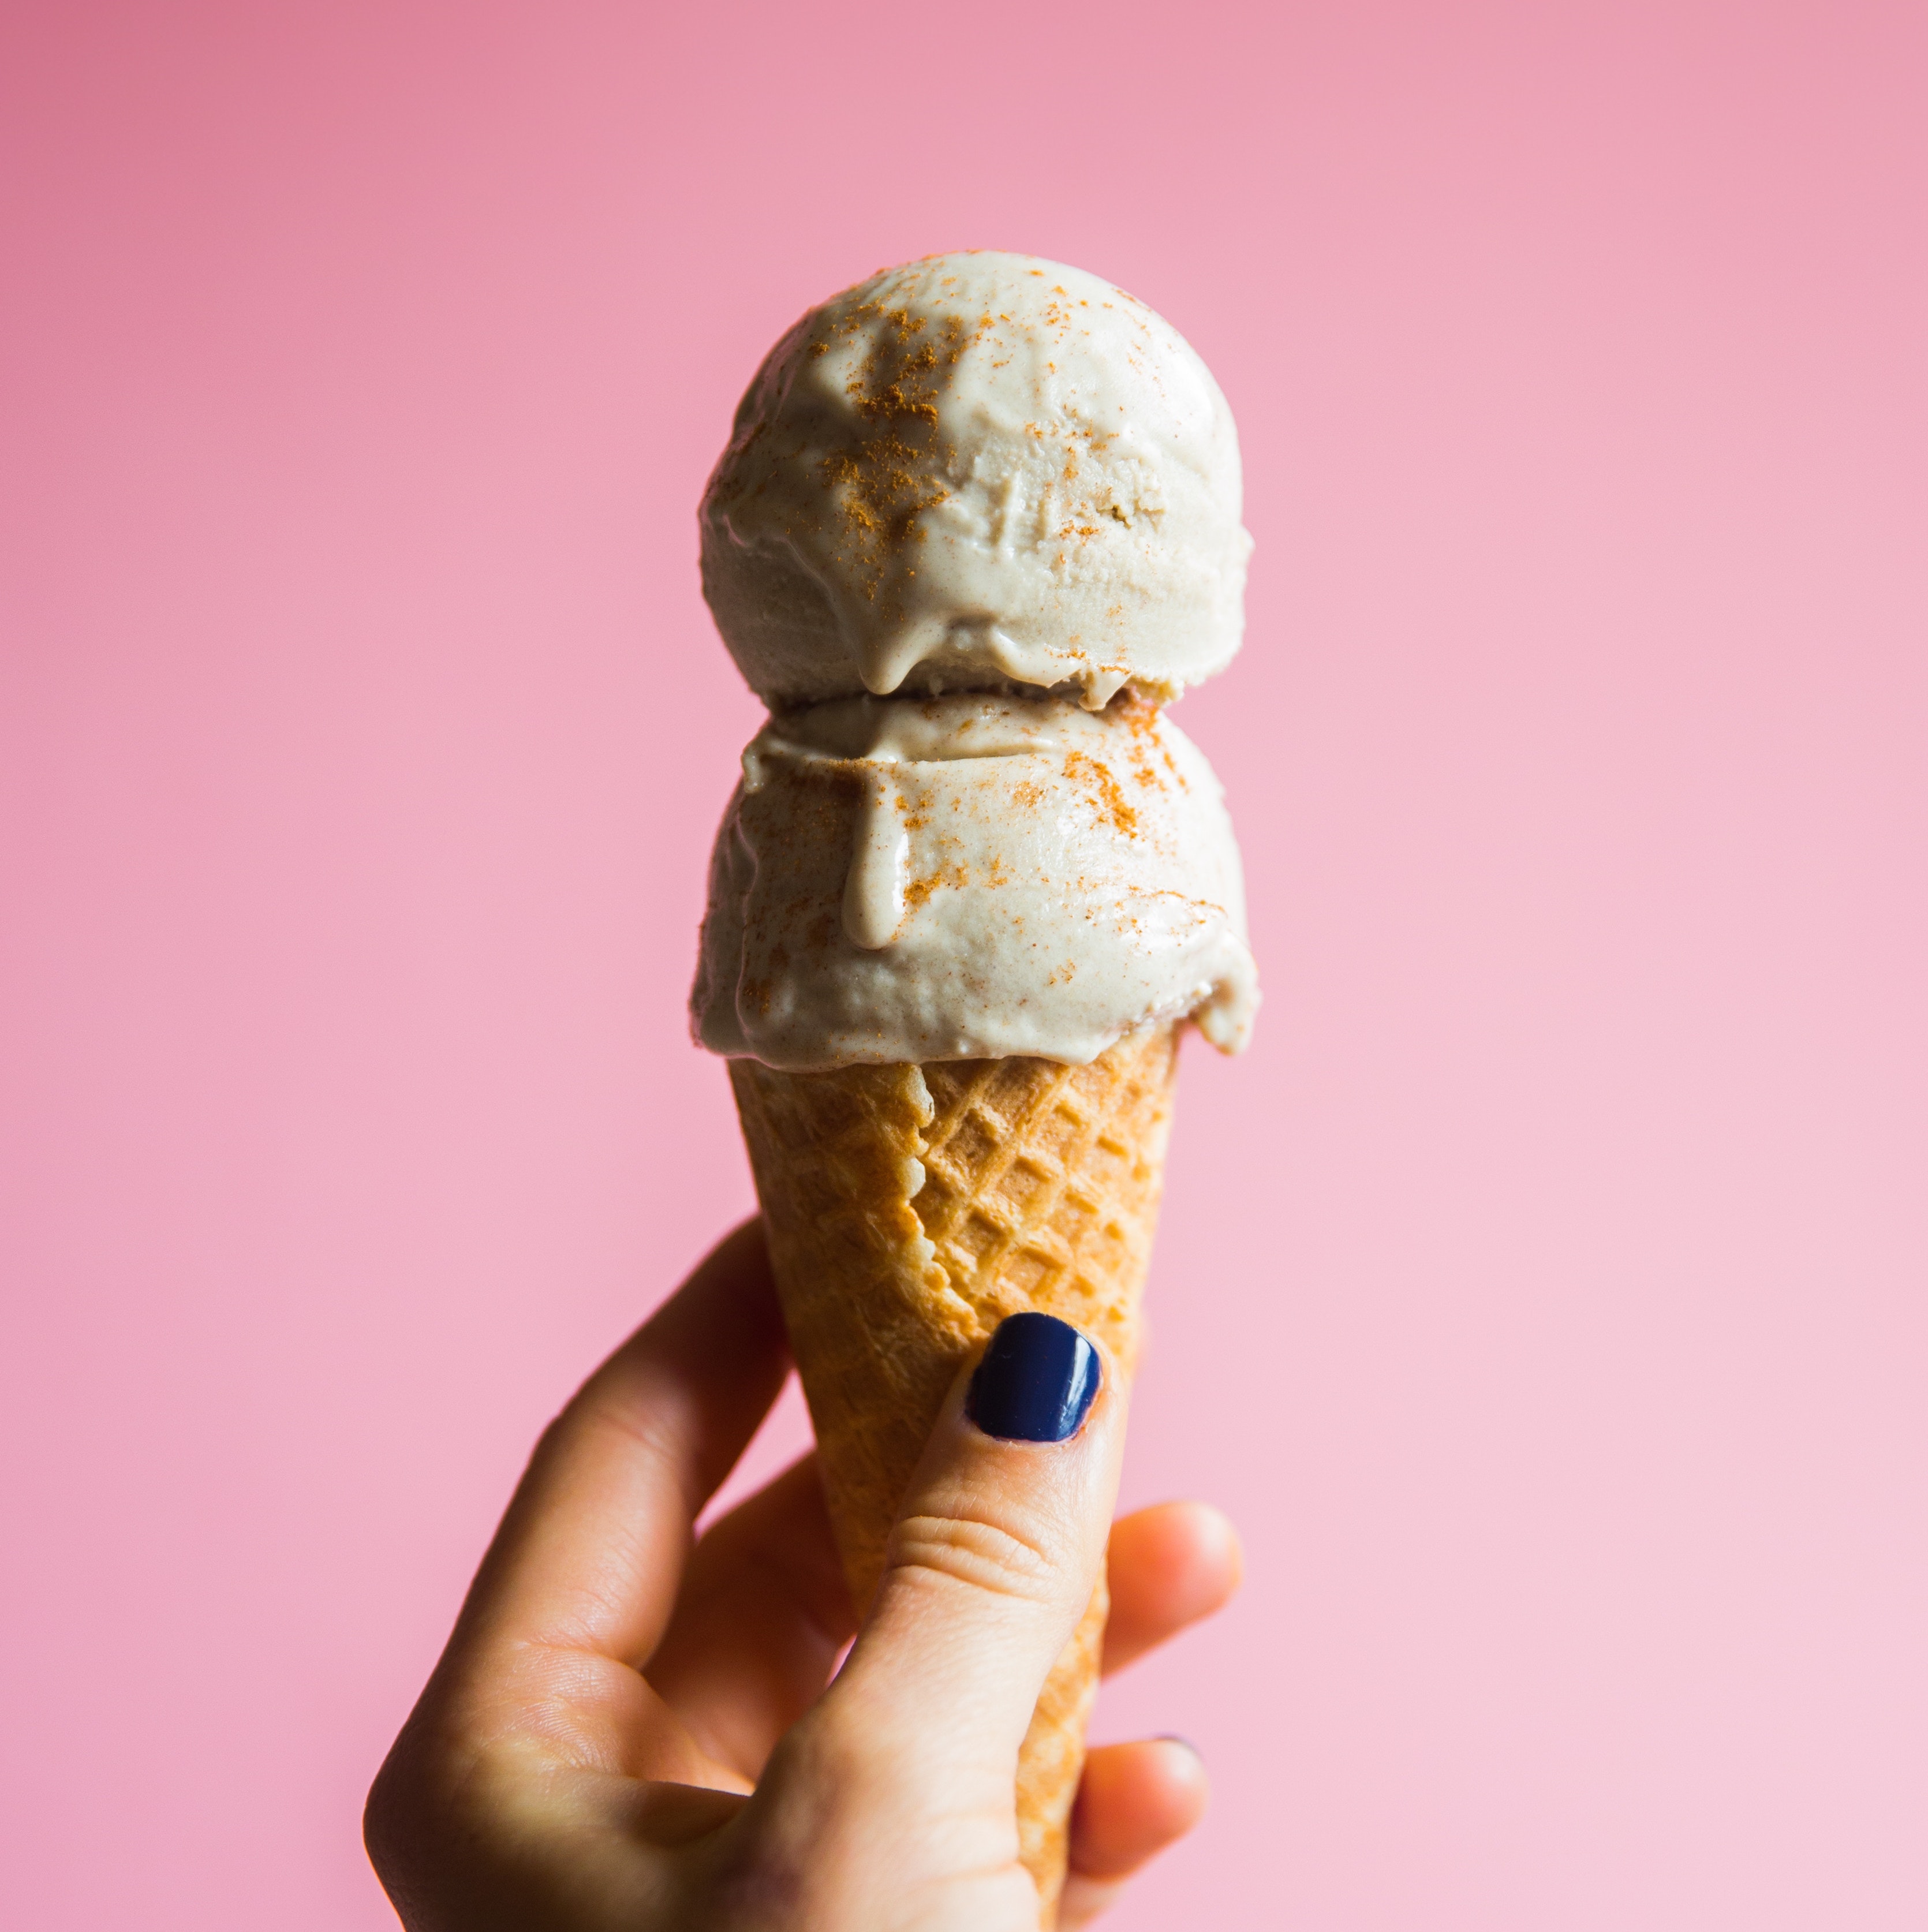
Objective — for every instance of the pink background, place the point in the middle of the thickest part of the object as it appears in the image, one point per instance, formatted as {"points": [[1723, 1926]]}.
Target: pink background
{"points": [[1544, 1293]]}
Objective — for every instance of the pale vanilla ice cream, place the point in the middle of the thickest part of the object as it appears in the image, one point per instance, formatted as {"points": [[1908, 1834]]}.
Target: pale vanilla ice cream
{"points": [[978, 469], [970, 877], [979, 516]]}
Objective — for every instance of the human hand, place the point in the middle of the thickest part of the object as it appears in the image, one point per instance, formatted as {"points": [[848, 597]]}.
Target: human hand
{"points": [[629, 1734]]}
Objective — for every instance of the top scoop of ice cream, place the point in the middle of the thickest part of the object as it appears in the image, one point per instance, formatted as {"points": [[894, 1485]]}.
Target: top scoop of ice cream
{"points": [[974, 472]]}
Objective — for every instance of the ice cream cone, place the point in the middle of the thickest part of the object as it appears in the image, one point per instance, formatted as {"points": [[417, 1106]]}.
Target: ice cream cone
{"points": [[909, 1209]]}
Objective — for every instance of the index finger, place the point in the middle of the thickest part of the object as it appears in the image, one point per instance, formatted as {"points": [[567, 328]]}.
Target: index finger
{"points": [[592, 1545]]}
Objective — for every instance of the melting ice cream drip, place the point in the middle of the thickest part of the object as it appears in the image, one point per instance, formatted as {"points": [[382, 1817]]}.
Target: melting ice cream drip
{"points": [[873, 890], [885, 661]]}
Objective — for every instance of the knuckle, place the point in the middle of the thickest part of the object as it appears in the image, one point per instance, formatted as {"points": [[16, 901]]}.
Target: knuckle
{"points": [[998, 1558]]}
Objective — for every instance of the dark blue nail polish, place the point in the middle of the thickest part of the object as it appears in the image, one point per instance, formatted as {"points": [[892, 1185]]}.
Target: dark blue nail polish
{"points": [[1036, 1381]]}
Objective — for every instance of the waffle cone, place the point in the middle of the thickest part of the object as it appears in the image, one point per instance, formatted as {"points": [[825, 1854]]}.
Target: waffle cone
{"points": [[908, 1210]]}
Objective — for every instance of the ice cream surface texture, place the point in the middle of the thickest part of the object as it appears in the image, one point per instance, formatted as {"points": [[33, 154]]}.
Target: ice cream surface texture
{"points": [[977, 469], [970, 877]]}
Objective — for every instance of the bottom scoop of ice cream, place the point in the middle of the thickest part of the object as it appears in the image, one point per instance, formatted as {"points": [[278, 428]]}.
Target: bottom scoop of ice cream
{"points": [[970, 877]]}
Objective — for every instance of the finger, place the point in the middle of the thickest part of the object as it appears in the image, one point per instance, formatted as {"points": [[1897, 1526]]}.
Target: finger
{"points": [[763, 1611], [1169, 1565], [1135, 1799], [993, 1561], [592, 1547]]}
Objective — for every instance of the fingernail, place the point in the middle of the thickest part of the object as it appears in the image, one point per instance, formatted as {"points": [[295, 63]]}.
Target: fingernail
{"points": [[1173, 1738], [1036, 1381]]}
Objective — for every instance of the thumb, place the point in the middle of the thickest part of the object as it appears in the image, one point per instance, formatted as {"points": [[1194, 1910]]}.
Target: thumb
{"points": [[998, 1545]]}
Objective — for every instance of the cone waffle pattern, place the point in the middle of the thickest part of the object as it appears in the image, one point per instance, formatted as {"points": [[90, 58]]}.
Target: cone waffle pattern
{"points": [[909, 1209]]}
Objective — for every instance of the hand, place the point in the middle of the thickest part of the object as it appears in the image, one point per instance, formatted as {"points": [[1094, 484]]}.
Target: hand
{"points": [[628, 1734]]}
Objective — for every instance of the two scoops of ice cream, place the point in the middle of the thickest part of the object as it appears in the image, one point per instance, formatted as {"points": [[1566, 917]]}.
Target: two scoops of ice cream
{"points": [[978, 520]]}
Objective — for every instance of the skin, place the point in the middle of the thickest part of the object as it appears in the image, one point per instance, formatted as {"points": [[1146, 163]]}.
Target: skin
{"points": [[632, 1730]]}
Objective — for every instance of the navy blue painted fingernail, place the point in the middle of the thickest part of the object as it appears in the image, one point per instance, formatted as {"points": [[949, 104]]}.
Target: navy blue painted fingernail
{"points": [[1036, 1381]]}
